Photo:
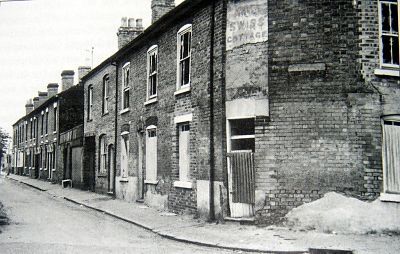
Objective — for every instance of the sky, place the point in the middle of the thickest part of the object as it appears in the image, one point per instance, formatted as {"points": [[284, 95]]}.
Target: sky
{"points": [[41, 38]]}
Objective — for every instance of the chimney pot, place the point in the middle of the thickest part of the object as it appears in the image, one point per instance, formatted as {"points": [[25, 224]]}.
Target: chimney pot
{"points": [[124, 22], [131, 22], [139, 23], [127, 33]]}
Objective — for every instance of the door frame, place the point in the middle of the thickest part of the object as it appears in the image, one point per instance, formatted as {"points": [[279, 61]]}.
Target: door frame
{"points": [[234, 207]]}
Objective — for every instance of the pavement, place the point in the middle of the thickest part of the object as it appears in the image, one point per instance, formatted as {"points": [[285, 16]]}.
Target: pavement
{"points": [[228, 235]]}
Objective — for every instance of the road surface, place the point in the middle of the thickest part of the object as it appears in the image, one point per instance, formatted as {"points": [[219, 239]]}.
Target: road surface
{"points": [[40, 223]]}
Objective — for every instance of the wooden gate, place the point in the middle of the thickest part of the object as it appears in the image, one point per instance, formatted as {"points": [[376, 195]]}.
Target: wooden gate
{"points": [[242, 183]]}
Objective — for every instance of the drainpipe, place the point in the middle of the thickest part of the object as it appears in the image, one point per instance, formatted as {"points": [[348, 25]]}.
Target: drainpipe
{"points": [[211, 216], [115, 127]]}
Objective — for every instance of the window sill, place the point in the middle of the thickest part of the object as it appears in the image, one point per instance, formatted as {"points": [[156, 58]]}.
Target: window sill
{"points": [[124, 180], [89, 120], [387, 72], [104, 114], [183, 184], [102, 175], [124, 111], [54, 132], [389, 197], [150, 101], [53, 170], [151, 182], [182, 90]]}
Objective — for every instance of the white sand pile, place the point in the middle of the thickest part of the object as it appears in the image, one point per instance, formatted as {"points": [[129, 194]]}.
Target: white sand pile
{"points": [[341, 214]]}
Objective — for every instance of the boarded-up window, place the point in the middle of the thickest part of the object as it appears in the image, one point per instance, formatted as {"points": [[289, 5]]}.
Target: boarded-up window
{"points": [[184, 151], [124, 154], [151, 154], [391, 156]]}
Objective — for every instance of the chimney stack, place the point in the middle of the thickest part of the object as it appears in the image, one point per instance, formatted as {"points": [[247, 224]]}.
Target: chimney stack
{"points": [[128, 30], [52, 89], [35, 102], [29, 106], [82, 71], [160, 7], [42, 97], [67, 79]]}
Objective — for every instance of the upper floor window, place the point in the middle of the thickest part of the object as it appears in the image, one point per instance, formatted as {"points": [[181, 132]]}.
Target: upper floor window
{"points": [[184, 55], [125, 85], [42, 125], [389, 33], [47, 121], [55, 118], [106, 90], [152, 72], [90, 103]]}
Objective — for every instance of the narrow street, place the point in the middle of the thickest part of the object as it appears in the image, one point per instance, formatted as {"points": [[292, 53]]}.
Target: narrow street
{"points": [[40, 223]]}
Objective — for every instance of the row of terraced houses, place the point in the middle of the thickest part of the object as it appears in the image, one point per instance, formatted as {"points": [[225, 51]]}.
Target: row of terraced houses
{"points": [[229, 109]]}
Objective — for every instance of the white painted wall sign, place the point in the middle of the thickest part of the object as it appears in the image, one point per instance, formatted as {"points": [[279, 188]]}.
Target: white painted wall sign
{"points": [[247, 22]]}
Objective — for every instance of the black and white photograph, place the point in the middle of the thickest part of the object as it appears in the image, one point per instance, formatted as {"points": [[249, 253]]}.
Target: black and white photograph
{"points": [[199, 126]]}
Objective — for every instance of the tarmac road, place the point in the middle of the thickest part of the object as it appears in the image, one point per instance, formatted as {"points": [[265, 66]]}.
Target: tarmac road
{"points": [[40, 223]]}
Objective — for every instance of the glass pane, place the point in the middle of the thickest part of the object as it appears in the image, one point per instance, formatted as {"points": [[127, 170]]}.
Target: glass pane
{"points": [[386, 49], [152, 133], [186, 73], [395, 50], [185, 127], [243, 144], [153, 87], [182, 70], [242, 126], [385, 17], [393, 10], [126, 99]]}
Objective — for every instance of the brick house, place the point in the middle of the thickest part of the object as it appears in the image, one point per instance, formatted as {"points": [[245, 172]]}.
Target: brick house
{"points": [[289, 108], [244, 110], [36, 137]]}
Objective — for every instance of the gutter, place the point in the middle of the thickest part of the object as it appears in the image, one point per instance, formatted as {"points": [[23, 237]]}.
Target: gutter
{"points": [[115, 129]]}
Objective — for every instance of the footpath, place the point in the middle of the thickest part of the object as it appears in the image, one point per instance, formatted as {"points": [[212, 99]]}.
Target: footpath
{"points": [[226, 235]]}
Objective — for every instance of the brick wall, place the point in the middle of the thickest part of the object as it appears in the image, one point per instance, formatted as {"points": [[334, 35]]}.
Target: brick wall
{"points": [[324, 128], [169, 105], [101, 125]]}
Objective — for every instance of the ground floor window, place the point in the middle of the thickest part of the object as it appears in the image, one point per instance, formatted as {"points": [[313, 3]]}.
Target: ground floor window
{"points": [[391, 155], [124, 153], [151, 153], [184, 151]]}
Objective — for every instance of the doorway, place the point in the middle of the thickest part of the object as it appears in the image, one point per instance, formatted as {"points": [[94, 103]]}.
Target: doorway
{"points": [[241, 172]]}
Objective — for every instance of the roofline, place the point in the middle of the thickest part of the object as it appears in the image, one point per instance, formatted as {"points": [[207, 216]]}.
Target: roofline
{"points": [[153, 29], [45, 103]]}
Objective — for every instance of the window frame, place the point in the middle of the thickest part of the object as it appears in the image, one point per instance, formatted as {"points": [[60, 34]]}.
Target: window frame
{"points": [[125, 173], [90, 103], [381, 34], [106, 90], [125, 86], [102, 155], [151, 173], [179, 77], [153, 50]]}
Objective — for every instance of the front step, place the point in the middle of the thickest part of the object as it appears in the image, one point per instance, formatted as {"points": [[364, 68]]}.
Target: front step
{"points": [[242, 221], [141, 201]]}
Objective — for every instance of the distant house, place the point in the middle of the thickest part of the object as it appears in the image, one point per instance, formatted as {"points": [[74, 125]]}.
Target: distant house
{"points": [[36, 141]]}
